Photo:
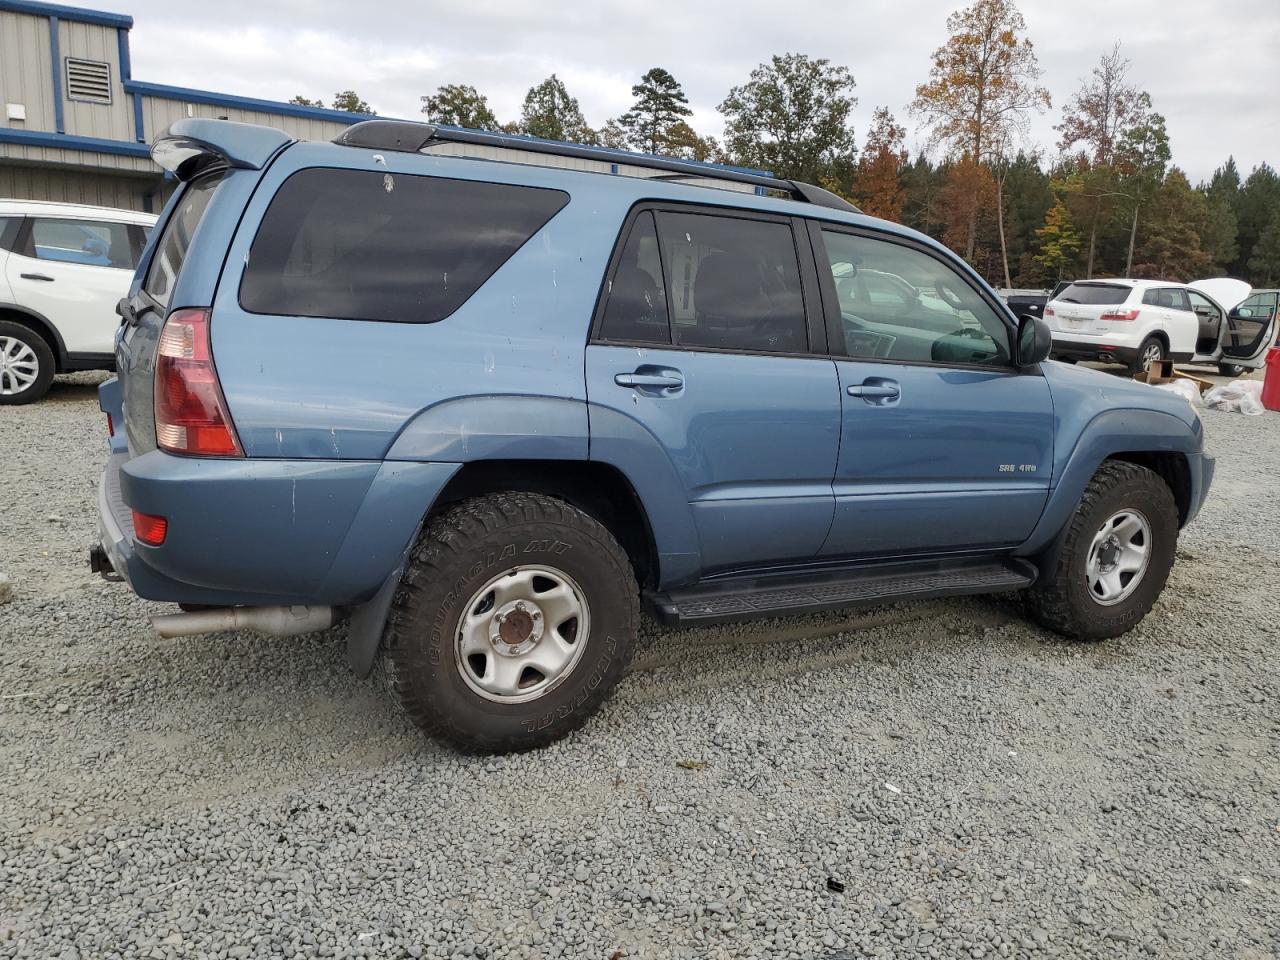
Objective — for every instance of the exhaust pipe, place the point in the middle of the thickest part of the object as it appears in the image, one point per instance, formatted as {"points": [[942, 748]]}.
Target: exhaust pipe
{"points": [[273, 621]]}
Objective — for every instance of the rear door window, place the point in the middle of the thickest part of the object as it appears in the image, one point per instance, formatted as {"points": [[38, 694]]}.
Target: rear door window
{"points": [[174, 242], [636, 306], [734, 283], [1099, 294], [92, 243], [9, 231], [364, 245]]}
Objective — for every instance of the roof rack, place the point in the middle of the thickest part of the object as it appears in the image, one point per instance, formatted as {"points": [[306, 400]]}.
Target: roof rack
{"points": [[406, 136]]}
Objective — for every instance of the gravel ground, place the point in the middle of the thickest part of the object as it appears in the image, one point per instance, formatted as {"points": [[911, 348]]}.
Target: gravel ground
{"points": [[934, 780]]}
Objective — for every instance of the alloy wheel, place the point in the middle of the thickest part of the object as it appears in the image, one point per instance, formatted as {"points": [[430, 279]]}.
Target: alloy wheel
{"points": [[19, 366]]}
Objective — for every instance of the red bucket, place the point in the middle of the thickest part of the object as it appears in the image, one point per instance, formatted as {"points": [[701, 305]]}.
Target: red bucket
{"points": [[1271, 385]]}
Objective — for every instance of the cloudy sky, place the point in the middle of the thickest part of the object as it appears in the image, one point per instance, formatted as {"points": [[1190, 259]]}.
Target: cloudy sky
{"points": [[1212, 69]]}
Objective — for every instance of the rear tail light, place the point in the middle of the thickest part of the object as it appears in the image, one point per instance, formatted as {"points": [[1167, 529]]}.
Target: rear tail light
{"points": [[1120, 315], [150, 530], [111, 426], [1048, 312], [191, 412]]}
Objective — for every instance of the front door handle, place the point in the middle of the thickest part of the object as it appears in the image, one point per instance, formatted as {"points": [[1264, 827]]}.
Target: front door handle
{"points": [[877, 391], [37, 276], [648, 380]]}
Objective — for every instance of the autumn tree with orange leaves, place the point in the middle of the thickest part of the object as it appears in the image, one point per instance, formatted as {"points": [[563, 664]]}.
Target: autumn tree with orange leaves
{"points": [[983, 83], [877, 185]]}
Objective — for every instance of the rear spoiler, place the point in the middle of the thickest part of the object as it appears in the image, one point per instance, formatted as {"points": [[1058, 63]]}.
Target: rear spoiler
{"points": [[190, 147]]}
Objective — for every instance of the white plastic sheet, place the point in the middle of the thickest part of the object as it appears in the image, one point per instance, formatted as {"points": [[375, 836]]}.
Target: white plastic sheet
{"points": [[1242, 395], [1183, 388]]}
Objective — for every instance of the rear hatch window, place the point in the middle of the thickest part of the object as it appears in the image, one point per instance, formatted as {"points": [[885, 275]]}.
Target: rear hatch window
{"points": [[365, 245], [1102, 294]]}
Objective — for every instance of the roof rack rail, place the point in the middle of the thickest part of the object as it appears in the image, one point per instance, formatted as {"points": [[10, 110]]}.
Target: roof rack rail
{"points": [[407, 136]]}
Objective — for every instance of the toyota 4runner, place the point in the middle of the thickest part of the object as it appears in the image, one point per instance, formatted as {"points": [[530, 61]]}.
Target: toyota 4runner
{"points": [[483, 396]]}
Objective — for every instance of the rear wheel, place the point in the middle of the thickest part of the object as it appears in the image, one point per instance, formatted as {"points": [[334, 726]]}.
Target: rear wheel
{"points": [[1151, 351], [26, 364], [1232, 370], [1117, 554], [514, 620]]}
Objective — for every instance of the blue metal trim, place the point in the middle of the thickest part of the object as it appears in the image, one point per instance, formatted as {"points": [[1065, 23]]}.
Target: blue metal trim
{"points": [[139, 131], [55, 56], [68, 13], [60, 141], [122, 40], [243, 103]]}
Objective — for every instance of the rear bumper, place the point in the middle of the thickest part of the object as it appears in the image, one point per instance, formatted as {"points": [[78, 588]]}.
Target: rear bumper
{"points": [[263, 532], [1078, 350]]}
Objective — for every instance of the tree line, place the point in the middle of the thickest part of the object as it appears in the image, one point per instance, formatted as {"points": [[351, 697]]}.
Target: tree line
{"points": [[1105, 200]]}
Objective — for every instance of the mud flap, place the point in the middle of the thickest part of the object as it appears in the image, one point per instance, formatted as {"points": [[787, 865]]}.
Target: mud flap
{"points": [[364, 629]]}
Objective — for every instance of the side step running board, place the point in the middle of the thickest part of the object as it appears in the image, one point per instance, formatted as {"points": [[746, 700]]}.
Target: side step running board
{"points": [[743, 598]]}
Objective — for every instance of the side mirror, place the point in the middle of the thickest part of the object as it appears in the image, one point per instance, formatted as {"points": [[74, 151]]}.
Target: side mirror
{"points": [[1035, 340]]}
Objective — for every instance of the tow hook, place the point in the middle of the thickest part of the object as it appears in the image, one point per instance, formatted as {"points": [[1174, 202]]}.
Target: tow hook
{"points": [[100, 564]]}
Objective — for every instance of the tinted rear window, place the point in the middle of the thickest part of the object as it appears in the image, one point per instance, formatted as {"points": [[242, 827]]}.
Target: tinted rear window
{"points": [[364, 245], [171, 251], [1097, 293]]}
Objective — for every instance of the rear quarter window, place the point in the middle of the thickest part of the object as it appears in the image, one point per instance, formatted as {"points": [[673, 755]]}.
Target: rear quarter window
{"points": [[366, 245], [1100, 294], [175, 240]]}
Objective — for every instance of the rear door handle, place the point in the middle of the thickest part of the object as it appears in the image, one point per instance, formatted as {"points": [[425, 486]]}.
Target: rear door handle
{"points": [[650, 381], [37, 276], [876, 390]]}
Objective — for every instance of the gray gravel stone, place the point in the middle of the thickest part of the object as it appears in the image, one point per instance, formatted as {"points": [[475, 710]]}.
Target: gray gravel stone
{"points": [[242, 796]]}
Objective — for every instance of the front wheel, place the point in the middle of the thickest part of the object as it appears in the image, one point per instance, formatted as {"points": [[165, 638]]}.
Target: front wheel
{"points": [[514, 620], [1232, 370], [1151, 351], [1116, 557], [26, 364]]}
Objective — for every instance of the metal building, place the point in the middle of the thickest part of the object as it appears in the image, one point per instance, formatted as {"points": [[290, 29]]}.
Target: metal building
{"points": [[76, 124]]}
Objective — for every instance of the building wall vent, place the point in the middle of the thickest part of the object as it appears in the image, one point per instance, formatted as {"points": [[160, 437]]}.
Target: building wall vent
{"points": [[88, 80]]}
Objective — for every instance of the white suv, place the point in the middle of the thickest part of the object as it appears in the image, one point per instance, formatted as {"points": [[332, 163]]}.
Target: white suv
{"points": [[1137, 321], [63, 268]]}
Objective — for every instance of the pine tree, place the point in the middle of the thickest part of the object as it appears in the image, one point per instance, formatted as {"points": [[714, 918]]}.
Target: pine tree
{"points": [[660, 103], [1264, 265]]}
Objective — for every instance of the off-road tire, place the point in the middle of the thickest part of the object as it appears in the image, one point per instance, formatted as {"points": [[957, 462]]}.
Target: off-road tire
{"points": [[456, 555], [1063, 603], [44, 356], [1138, 364]]}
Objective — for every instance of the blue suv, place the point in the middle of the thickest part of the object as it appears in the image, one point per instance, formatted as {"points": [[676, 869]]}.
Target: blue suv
{"points": [[483, 396]]}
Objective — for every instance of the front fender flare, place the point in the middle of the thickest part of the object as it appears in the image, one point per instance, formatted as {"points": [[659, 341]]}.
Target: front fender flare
{"points": [[1108, 434]]}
